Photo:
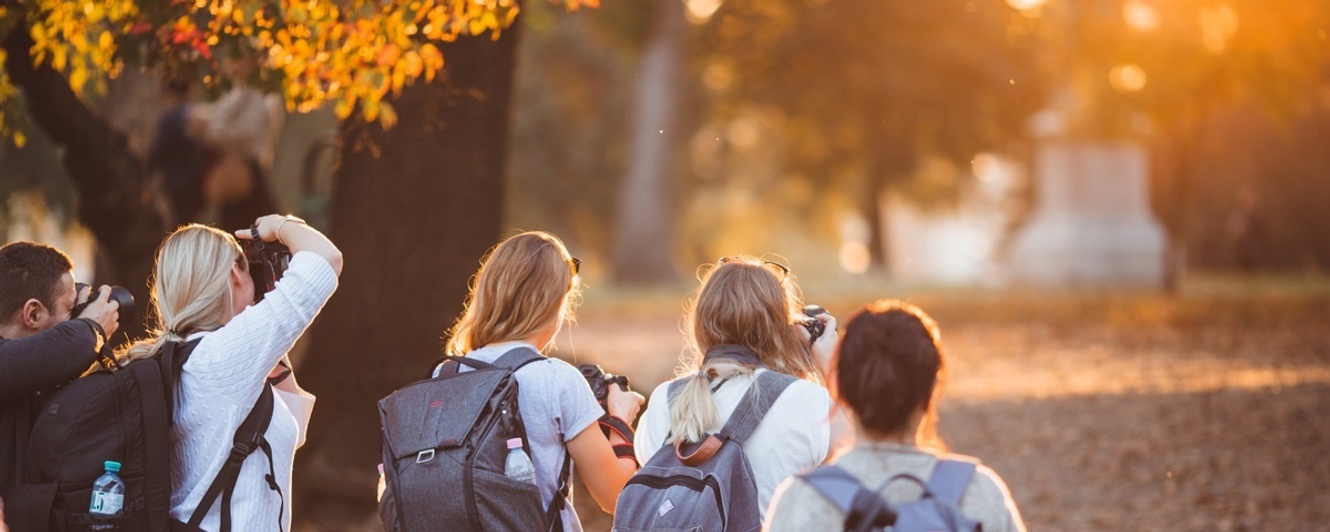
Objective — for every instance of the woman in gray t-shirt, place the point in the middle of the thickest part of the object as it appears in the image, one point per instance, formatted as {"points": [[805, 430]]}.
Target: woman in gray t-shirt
{"points": [[886, 371], [521, 296]]}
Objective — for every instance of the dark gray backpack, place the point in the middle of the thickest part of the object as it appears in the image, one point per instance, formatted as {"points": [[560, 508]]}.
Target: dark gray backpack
{"points": [[865, 510], [444, 451], [705, 486]]}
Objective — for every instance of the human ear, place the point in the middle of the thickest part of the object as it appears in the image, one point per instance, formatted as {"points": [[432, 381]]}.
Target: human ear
{"points": [[34, 313]]}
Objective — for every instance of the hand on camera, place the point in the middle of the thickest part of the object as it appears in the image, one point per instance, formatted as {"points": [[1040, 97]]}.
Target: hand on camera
{"points": [[624, 404], [269, 227], [825, 344], [102, 310]]}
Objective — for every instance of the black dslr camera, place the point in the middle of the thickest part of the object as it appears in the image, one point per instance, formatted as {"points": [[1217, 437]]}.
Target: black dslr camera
{"points": [[600, 382], [267, 262], [119, 294], [809, 321]]}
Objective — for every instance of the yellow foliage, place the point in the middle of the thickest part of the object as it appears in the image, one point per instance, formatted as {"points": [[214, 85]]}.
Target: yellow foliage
{"points": [[353, 53]]}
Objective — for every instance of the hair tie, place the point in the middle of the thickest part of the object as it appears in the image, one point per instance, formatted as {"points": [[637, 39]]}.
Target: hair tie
{"points": [[702, 374]]}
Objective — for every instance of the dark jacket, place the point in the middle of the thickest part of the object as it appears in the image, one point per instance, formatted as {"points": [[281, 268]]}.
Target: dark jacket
{"points": [[30, 367]]}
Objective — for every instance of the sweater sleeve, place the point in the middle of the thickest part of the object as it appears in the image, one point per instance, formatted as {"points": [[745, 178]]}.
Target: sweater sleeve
{"points": [[49, 358], [235, 359]]}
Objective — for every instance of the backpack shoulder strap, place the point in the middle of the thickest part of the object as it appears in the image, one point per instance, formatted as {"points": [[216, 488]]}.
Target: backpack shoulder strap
{"points": [[248, 438], [864, 510], [766, 388], [171, 359], [517, 357], [950, 478], [834, 484]]}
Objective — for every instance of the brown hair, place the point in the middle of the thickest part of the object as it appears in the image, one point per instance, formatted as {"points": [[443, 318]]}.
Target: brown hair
{"points": [[524, 284], [743, 301], [889, 365], [30, 271]]}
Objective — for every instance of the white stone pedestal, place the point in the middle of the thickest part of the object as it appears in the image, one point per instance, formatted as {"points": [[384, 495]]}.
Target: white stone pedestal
{"points": [[1092, 225]]}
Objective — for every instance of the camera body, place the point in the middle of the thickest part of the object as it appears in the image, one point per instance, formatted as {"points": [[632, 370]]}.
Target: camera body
{"points": [[267, 262], [119, 294], [600, 382], [809, 321]]}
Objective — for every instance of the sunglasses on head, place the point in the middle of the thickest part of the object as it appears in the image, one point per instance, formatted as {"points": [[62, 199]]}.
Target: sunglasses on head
{"points": [[781, 270]]}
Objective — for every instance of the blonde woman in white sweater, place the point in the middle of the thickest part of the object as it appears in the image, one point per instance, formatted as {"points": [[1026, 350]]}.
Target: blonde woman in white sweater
{"points": [[202, 290]]}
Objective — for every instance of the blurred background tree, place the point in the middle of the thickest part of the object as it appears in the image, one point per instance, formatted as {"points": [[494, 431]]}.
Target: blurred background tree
{"points": [[1189, 79]]}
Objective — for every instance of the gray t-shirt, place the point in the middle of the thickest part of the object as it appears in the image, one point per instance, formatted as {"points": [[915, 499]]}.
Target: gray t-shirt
{"points": [[557, 404]]}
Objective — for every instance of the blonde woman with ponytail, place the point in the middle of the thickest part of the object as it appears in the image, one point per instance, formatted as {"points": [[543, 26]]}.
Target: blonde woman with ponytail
{"points": [[741, 322], [523, 293], [202, 291]]}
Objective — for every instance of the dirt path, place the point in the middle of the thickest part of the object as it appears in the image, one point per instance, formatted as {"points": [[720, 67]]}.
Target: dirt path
{"points": [[1103, 412]]}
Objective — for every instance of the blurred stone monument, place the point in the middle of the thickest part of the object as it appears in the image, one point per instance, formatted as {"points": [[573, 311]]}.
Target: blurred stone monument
{"points": [[1092, 225]]}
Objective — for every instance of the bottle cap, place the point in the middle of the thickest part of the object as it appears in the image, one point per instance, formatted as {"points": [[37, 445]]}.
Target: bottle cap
{"points": [[515, 443], [112, 466]]}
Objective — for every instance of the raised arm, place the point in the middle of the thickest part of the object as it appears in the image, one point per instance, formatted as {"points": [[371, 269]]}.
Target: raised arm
{"points": [[49, 358], [293, 232], [244, 351]]}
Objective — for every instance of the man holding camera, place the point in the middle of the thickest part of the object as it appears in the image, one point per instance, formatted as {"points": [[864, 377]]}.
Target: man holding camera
{"points": [[41, 347]]}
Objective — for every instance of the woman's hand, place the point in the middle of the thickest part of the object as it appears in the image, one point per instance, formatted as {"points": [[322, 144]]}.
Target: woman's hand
{"points": [[269, 227], [624, 404], [295, 234], [824, 345]]}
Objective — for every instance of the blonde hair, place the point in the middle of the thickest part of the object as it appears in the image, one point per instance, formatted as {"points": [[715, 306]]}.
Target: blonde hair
{"points": [[190, 289], [524, 283], [744, 301]]}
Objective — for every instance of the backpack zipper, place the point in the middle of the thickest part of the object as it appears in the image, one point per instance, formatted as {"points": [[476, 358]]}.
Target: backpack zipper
{"points": [[694, 484]]}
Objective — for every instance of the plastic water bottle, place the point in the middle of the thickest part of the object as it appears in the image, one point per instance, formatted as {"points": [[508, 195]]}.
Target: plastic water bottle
{"points": [[108, 493], [383, 485], [518, 466]]}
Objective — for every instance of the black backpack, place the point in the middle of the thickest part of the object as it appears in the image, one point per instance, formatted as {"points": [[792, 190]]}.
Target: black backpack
{"points": [[866, 511], [122, 414], [444, 450]]}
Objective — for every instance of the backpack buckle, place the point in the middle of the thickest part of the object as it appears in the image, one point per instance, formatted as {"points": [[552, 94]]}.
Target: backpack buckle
{"points": [[424, 456]]}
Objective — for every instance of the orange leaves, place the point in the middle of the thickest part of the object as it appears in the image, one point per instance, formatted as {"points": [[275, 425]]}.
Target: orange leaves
{"points": [[354, 54], [77, 38]]}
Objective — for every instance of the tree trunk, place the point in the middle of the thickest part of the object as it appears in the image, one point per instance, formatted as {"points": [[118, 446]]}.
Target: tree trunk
{"points": [[108, 176], [643, 233], [413, 213]]}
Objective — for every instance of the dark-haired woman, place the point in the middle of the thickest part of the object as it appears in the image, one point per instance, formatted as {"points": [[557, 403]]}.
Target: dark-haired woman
{"points": [[886, 372]]}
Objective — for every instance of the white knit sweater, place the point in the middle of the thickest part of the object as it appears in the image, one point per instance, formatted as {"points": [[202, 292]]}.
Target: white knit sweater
{"points": [[219, 385]]}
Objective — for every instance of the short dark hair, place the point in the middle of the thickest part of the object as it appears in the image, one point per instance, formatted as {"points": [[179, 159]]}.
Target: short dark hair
{"points": [[30, 271], [888, 364]]}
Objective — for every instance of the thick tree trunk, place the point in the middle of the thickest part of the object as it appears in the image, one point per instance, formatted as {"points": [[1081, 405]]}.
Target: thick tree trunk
{"points": [[645, 222], [413, 213], [108, 176]]}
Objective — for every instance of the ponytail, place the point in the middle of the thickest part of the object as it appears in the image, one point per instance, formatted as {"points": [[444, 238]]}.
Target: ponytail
{"points": [[190, 290], [693, 411]]}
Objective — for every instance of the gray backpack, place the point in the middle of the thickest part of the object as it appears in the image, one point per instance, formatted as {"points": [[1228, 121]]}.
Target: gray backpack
{"points": [[865, 510], [444, 452], [705, 486]]}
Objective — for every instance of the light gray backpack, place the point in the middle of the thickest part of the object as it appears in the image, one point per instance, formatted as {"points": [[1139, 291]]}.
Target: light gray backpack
{"points": [[706, 486], [937, 510]]}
